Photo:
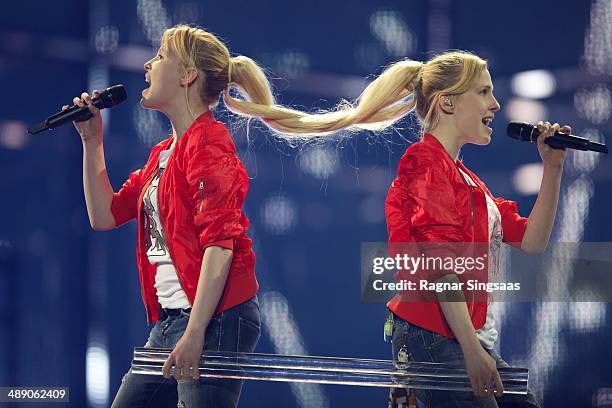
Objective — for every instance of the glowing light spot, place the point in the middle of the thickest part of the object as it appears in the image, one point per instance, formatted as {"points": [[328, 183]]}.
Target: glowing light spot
{"points": [[594, 104], [279, 214], [525, 110], [319, 162], [390, 28], [107, 39], [527, 178], [534, 84]]}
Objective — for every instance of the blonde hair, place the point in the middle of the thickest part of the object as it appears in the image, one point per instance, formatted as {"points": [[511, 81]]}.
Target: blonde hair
{"points": [[200, 49], [197, 48], [451, 73], [402, 87]]}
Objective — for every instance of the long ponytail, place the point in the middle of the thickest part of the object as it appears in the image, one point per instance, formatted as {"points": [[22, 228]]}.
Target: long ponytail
{"points": [[385, 100], [402, 87]]}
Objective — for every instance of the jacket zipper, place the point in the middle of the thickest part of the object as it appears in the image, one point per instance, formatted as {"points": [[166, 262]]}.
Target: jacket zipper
{"points": [[143, 190], [472, 218], [161, 219], [201, 186]]}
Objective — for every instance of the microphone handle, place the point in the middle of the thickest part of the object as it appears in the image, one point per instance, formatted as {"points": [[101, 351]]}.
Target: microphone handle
{"points": [[74, 112], [565, 141], [562, 141]]}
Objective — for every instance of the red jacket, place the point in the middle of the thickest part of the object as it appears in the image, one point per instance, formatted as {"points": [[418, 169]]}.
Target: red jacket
{"points": [[430, 202], [201, 193]]}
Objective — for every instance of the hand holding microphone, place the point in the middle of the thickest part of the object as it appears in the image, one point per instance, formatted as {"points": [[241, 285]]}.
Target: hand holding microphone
{"points": [[551, 155], [85, 113], [90, 128], [559, 139]]}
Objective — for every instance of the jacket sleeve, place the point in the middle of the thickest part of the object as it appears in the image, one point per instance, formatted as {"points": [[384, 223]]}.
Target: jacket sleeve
{"points": [[421, 204], [124, 205], [217, 185], [421, 207], [513, 224]]}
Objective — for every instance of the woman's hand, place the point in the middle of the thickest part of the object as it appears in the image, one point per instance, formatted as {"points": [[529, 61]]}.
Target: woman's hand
{"points": [[91, 129], [483, 374], [551, 157], [185, 355]]}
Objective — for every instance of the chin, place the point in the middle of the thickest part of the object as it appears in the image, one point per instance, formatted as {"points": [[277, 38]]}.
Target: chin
{"points": [[481, 140], [485, 140], [484, 136], [146, 103]]}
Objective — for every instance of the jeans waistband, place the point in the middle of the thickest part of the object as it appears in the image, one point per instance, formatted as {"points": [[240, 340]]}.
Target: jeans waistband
{"points": [[164, 313]]}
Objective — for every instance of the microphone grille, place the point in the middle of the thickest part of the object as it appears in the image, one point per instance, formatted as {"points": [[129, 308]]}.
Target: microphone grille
{"points": [[113, 96], [519, 131]]}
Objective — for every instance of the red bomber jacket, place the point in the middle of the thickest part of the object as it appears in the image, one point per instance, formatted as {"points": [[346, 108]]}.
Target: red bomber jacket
{"points": [[430, 202], [201, 193]]}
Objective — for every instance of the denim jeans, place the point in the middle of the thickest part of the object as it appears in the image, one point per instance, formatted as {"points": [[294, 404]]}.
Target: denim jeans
{"points": [[423, 345], [236, 329]]}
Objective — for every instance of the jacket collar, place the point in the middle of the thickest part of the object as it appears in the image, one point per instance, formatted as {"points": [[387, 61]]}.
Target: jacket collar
{"points": [[431, 141], [205, 118]]}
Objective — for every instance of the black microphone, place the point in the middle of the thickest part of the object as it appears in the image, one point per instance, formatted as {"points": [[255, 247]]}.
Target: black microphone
{"points": [[107, 99], [528, 133]]}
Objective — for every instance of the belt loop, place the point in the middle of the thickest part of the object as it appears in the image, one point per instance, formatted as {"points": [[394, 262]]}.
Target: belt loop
{"points": [[162, 313]]}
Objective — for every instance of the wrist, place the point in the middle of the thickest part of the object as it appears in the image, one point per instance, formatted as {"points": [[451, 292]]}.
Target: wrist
{"points": [[195, 332], [92, 143], [553, 167], [471, 346], [196, 328]]}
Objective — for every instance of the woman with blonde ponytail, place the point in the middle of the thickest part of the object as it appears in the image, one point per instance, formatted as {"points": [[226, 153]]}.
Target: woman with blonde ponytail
{"points": [[437, 203], [436, 199], [195, 261]]}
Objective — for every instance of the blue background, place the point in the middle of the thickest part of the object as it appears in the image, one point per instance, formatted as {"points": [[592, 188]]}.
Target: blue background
{"points": [[70, 306]]}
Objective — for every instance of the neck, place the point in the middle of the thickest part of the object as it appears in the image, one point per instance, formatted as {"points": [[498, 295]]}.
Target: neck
{"points": [[449, 137], [181, 118]]}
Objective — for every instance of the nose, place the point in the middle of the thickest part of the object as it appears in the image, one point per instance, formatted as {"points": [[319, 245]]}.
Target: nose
{"points": [[495, 106], [147, 65]]}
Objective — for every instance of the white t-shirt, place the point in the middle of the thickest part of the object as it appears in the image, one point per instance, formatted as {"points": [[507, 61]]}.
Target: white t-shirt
{"points": [[170, 294], [488, 334]]}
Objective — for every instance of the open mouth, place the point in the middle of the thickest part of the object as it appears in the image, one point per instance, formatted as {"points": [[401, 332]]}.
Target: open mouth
{"points": [[148, 84], [487, 121]]}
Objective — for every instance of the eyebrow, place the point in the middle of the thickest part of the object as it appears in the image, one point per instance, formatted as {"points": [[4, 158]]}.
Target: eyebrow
{"points": [[487, 87]]}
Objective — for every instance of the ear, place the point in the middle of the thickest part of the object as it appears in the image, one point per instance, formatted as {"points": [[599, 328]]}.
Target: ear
{"points": [[189, 76], [446, 103]]}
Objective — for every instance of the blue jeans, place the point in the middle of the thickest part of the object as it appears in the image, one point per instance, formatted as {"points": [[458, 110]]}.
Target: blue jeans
{"points": [[236, 329], [424, 345]]}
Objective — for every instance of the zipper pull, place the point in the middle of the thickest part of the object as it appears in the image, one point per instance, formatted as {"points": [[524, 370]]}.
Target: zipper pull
{"points": [[201, 194]]}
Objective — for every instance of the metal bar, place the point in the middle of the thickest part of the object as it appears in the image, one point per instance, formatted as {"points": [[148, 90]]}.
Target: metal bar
{"points": [[329, 370]]}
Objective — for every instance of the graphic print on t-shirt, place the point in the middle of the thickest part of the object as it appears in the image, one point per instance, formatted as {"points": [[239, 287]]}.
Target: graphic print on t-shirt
{"points": [[496, 234], [494, 227], [155, 241]]}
